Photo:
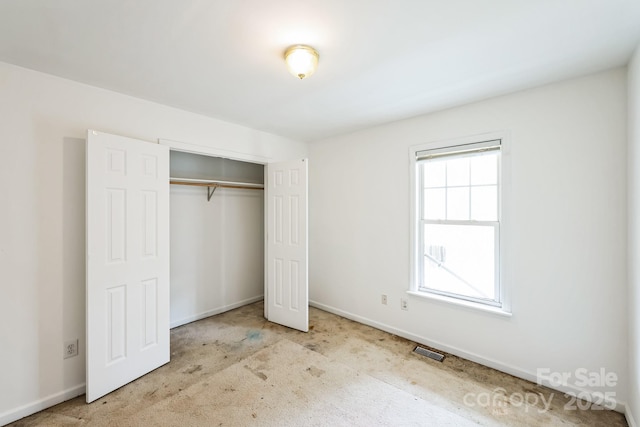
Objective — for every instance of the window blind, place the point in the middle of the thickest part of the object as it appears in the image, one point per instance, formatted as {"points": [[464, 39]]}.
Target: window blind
{"points": [[459, 150]]}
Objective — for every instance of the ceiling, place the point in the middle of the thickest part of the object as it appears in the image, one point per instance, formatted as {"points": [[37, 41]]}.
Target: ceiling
{"points": [[380, 60]]}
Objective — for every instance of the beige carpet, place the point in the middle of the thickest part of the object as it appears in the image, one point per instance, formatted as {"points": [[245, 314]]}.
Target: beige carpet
{"points": [[311, 390], [237, 369]]}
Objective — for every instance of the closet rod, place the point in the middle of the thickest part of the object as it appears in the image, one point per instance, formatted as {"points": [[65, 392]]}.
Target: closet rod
{"points": [[215, 184], [212, 183]]}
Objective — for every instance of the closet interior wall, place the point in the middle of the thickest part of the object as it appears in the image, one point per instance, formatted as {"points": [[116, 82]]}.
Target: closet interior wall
{"points": [[217, 246]]}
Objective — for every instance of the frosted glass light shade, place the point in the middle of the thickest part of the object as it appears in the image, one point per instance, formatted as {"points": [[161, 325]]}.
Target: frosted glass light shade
{"points": [[301, 61]]}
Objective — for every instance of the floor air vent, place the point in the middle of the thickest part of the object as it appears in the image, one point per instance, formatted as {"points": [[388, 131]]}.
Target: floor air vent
{"points": [[428, 353]]}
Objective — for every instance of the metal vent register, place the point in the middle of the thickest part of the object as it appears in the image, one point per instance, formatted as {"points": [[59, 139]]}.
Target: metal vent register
{"points": [[428, 353]]}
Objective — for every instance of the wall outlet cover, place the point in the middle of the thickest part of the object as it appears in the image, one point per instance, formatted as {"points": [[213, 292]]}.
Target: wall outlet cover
{"points": [[70, 349]]}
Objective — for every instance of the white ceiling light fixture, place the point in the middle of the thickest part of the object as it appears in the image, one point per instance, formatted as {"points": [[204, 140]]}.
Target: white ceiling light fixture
{"points": [[301, 60]]}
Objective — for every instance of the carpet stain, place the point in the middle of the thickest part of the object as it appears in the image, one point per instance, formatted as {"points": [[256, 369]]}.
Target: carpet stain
{"points": [[254, 335], [316, 372], [193, 369], [257, 373], [263, 357]]}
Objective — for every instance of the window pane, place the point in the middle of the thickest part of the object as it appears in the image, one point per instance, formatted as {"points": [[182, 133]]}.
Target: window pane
{"points": [[458, 203], [434, 174], [460, 259], [458, 172], [484, 203], [484, 169], [434, 204]]}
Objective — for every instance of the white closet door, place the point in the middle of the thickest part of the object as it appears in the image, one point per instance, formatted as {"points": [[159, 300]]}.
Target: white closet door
{"points": [[287, 293], [127, 260]]}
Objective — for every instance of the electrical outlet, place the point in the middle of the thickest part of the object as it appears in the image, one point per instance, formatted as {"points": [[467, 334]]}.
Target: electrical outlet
{"points": [[404, 304], [70, 348], [383, 299]]}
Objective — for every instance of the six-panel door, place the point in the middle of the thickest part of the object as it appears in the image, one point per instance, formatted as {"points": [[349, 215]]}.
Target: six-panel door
{"points": [[287, 294], [127, 260]]}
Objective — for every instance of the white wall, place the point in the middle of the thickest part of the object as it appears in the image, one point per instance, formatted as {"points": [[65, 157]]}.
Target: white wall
{"points": [[43, 123], [567, 234], [634, 239], [217, 251]]}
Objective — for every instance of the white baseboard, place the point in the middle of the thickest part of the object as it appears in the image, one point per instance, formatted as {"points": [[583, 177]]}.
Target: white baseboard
{"points": [[629, 416], [41, 404], [214, 311], [491, 363]]}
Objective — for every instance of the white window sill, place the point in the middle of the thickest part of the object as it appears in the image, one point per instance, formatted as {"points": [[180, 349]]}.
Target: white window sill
{"points": [[462, 303]]}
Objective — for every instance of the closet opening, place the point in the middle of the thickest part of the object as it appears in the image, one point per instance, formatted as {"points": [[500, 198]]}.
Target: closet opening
{"points": [[217, 234], [160, 255]]}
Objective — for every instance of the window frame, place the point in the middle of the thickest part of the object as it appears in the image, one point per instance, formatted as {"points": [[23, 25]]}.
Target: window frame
{"points": [[502, 303]]}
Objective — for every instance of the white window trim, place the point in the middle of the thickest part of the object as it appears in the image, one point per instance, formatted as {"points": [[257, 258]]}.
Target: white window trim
{"points": [[505, 218]]}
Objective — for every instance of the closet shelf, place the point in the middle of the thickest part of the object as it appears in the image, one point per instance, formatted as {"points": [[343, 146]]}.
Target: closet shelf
{"points": [[212, 185]]}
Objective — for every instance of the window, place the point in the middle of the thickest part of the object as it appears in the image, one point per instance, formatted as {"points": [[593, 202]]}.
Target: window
{"points": [[458, 212]]}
